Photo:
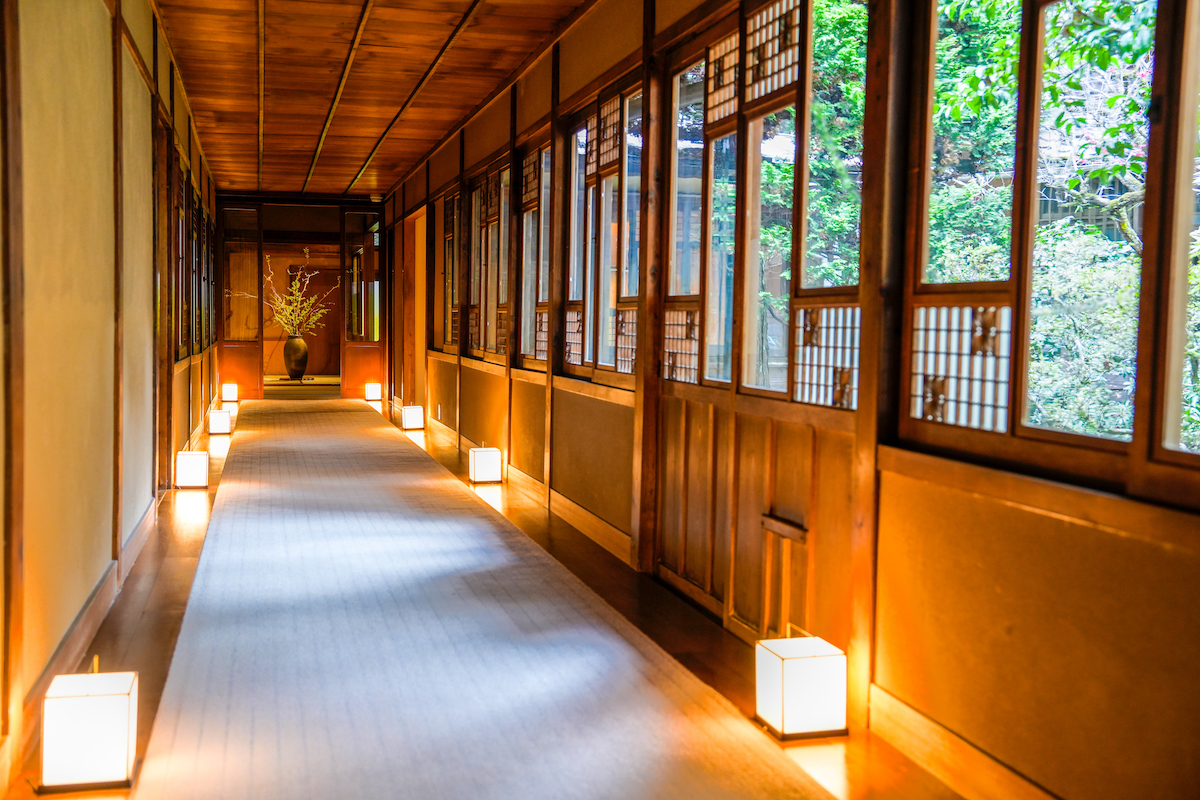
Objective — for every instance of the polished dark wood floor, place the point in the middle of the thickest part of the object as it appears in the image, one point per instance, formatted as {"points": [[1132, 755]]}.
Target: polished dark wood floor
{"points": [[141, 628]]}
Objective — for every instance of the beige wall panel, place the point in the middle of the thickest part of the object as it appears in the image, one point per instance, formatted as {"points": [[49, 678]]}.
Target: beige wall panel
{"points": [[137, 298], [533, 93], [181, 116], [668, 12], [164, 68], [592, 459], [484, 407], [487, 131], [414, 190], [1065, 651], [68, 210], [443, 164], [422, 247], [443, 391], [601, 39], [529, 428], [140, 19]]}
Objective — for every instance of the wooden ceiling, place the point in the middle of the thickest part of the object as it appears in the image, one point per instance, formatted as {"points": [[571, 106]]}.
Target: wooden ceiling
{"points": [[377, 51]]}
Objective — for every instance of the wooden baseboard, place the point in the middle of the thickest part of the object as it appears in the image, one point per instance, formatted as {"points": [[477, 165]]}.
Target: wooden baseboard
{"points": [[527, 485], [70, 652], [953, 760], [133, 546], [610, 538], [690, 590]]}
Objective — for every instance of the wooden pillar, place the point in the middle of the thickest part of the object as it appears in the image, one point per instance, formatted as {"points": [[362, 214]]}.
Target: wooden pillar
{"points": [[885, 147], [558, 245]]}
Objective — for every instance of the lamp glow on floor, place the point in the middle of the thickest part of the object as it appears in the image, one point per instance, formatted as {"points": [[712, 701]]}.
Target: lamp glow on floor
{"points": [[800, 686], [412, 418], [191, 469], [377, 405], [89, 729], [219, 421], [374, 391], [229, 392], [483, 464]]}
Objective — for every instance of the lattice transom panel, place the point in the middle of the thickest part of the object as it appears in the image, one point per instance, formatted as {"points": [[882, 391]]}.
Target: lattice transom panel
{"points": [[722, 79], [772, 48], [574, 336], [626, 340], [450, 215], [610, 132], [541, 335], [492, 195], [827, 356], [530, 170], [960, 366], [681, 346], [590, 159]]}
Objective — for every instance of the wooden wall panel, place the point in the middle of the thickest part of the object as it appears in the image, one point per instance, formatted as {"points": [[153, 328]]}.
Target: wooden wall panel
{"points": [[362, 363], [668, 12], [829, 595], [672, 494], [1017, 629], [241, 363], [181, 394], [597, 43], [443, 392], [484, 407], [793, 472], [754, 478], [593, 451], [698, 470], [533, 94], [414, 191], [722, 501], [529, 428], [140, 19]]}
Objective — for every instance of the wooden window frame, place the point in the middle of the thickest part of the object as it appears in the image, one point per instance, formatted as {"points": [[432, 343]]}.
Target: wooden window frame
{"points": [[481, 181], [539, 146]]}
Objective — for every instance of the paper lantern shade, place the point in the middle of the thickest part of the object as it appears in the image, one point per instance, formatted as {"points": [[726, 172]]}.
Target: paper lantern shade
{"points": [[191, 469], [412, 418], [219, 421], [483, 464], [374, 391], [89, 729], [800, 686], [229, 392]]}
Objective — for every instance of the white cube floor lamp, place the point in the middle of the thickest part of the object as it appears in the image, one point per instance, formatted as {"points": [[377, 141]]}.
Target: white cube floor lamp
{"points": [[374, 391], [484, 464], [229, 392], [220, 421], [412, 418], [800, 687], [191, 469], [89, 730]]}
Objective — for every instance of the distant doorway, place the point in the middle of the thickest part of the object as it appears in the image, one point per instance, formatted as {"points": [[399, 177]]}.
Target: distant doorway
{"points": [[318, 267]]}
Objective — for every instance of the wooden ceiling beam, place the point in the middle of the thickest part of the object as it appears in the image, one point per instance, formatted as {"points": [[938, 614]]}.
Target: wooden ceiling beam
{"points": [[262, 73], [337, 96], [454, 34]]}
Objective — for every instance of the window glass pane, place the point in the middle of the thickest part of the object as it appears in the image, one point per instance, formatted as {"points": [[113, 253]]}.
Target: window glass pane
{"points": [[718, 338], [493, 238], [241, 275], [579, 227], [476, 245], [590, 276], [362, 277], [839, 68], [529, 267], [688, 161], [544, 258], [606, 298], [974, 136], [1189, 418], [505, 189], [769, 187], [450, 260], [633, 184], [1092, 139]]}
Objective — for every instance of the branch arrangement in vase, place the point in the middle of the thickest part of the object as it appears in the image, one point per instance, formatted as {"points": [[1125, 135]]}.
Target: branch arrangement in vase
{"points": [[296, 311]]}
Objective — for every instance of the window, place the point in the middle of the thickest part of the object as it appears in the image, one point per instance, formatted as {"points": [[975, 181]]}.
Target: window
{"points": [[475, 278], [488, 310], [450, 250], [604, 248], [535, 253], [1182, 429], [687, 165], [362, 276], [723, 201]]}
